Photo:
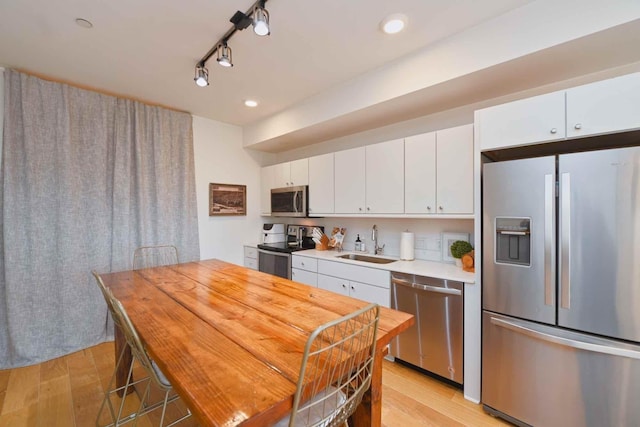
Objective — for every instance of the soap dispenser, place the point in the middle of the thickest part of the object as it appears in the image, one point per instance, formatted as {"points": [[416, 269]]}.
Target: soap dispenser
{"points": [[358, 243]]}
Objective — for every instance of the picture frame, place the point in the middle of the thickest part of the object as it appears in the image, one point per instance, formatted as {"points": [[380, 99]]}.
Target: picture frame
{"points": [[227, 199], [447, 240]]}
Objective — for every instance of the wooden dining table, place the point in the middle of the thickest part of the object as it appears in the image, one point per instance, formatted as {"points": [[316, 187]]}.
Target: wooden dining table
{"points": [[231, 339]]}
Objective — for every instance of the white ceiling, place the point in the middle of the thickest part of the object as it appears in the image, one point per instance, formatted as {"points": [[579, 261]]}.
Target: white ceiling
{"points": [[147, 49]]}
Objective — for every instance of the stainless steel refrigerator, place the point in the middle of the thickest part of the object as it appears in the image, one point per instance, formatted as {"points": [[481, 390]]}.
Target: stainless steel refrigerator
{"points": [[561, 289]]}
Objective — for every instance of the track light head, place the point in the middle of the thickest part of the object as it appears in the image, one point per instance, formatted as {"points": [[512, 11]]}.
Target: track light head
{"points": [[261, 21], [202, 76], [224, 55]]}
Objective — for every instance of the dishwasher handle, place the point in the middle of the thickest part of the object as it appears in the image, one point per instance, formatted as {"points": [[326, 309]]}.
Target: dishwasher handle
{"points": [[427, 288]]}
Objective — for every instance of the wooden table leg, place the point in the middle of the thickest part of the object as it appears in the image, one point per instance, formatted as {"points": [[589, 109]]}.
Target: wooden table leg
{"points": [[123, 368], [369, 412]]}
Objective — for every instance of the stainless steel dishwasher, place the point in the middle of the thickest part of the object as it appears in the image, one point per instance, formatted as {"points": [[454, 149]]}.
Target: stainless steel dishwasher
{"points": [[434, 342]]}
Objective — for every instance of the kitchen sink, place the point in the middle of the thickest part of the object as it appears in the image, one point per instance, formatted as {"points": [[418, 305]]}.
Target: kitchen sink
{"points": [[365, 258]]}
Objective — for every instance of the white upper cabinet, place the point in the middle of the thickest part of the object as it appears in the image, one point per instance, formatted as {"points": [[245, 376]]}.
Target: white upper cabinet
{"points": [[266, 184], [603, 107], [290, 174], [385, 177], [350, 181], [420, 174], [321, 184], [527, 121], [439, 172], [299, 172], [370, 180], [454, 170], [281, 175]]}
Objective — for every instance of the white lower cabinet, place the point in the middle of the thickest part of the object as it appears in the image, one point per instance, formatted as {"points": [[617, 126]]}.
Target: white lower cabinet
{"points": [[251, 257], [333, 284], [367, 284], [369, 293], [302, 276], [304, 270], [354, 289]]}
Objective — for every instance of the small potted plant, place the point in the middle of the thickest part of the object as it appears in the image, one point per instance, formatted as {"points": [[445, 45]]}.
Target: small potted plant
{"points": [[458, 249]]}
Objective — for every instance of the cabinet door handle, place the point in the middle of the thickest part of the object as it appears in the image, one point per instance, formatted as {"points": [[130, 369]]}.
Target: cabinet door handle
{"points": [[360, 209], [368, 208], [344, 286], [554, 130], [440, 207], [428, 208], [352, 288], [578, 126]]}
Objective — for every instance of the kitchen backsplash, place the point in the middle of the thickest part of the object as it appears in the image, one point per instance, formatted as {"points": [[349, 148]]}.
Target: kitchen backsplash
{"points": [[428, 232]]}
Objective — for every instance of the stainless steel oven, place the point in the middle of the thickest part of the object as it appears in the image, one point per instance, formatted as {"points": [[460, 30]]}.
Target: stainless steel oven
{"points": [[275, 257], [276, 263], [289, 201]]}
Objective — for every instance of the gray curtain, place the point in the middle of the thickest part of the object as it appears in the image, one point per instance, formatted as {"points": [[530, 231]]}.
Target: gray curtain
{"points": [[86, 178]]}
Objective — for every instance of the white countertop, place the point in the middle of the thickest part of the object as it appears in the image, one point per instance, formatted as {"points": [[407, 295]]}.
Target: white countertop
{"points": [[422, 268]]}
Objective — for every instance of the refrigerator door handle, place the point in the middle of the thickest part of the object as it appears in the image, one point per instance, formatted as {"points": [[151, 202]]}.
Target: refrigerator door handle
{"points": [[565, 241], [567, 342], [549, 260]]}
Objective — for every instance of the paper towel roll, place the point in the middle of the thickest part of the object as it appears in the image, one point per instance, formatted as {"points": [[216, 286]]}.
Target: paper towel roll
{"points": [[406, 246]]}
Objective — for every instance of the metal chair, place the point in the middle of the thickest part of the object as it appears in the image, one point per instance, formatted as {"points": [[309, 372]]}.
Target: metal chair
{"points": [[154, 256], [336, 370], [154, 374]]}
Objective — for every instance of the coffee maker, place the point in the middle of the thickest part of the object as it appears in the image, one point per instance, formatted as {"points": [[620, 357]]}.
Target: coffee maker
{"points": [[301, 236]]}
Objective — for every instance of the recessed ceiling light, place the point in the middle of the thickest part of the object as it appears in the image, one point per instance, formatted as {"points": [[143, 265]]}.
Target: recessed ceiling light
{"points": [[84, 23], [251, 103], [393, 24]]}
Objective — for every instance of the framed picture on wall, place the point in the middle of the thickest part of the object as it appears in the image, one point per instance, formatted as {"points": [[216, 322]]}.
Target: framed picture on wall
{"points": [[227, 199], [447, 241]]}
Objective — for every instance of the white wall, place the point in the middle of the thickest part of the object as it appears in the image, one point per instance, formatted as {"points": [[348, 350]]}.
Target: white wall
{"points": [[504, 38], [220, 158]]}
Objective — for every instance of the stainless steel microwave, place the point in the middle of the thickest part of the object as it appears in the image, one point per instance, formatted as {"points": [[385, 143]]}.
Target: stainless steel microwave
{"points": [[289, 201]]}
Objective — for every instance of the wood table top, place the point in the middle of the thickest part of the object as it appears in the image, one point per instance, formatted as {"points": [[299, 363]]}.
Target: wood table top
{"points": [[231, 339]]}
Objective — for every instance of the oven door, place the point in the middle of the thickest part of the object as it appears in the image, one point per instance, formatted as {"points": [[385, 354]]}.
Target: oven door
{"points": [[289, 201], [276, 263]]}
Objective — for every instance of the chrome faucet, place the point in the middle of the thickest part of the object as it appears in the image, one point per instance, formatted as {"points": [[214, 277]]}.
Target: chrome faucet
{"points": [[377, 250]]}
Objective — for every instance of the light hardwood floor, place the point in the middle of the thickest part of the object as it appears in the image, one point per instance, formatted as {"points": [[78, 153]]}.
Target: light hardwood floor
{"points": [[68, 391]]}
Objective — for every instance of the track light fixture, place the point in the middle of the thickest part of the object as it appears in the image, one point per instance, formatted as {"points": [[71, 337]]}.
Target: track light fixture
{"points": [[224, 55], [202, 76], [256, 15], [261, 21]]}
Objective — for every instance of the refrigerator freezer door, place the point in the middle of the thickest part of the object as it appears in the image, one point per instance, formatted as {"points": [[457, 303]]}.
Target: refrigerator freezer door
{"points": [[599, 231], [519, 209], [547, 376]]}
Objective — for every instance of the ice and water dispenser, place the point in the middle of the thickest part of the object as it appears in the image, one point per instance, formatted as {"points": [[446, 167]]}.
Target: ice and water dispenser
{"points": [[513, 241]]}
